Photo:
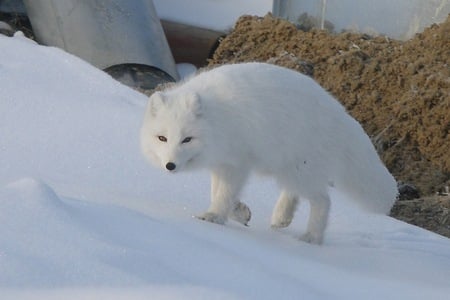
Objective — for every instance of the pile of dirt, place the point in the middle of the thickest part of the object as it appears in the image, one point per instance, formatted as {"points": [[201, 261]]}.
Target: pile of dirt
{"points": [[399, 92]]}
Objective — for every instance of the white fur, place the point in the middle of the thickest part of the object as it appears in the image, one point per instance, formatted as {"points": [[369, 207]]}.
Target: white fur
{"points": [[260, 117]]}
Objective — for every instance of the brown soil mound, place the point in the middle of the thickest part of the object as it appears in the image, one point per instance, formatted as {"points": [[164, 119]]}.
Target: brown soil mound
{"points": [[398, 91]]}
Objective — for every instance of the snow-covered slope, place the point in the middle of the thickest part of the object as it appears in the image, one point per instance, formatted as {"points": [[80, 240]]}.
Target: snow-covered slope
{"points": [[83, 215]]}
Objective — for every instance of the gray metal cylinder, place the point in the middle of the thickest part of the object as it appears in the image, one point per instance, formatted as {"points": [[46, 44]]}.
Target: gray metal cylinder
{"points": [[105, 33]]}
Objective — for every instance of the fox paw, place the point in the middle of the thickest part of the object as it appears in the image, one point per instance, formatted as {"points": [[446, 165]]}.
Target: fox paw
{"points": [[213, 218], [311, 238], [280, 224], [241, 213]]}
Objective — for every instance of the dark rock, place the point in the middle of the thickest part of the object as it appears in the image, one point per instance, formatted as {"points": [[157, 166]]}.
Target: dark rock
{"points": [[407, 191]]}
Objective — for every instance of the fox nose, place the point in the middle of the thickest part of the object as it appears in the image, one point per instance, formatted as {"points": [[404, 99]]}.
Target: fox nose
{"points": [[170, 166]]}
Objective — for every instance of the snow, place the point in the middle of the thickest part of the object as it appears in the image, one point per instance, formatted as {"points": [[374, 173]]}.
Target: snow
{"points": [[5, 26], [83, 216], [218, 15], [185, 70]]}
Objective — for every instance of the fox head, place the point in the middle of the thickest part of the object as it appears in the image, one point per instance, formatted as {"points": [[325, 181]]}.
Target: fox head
{"points": [[172, 133]]}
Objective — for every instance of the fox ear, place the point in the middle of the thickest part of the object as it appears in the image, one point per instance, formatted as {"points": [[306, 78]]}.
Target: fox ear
{"points": [[155, 102], [193, 103]]}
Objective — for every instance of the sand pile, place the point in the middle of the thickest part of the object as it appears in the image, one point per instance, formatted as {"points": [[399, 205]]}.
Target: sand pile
{"points": [[398, 91]]}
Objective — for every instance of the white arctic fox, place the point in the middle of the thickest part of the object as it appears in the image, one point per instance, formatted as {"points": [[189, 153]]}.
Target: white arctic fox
{"points": [[240, 118]]}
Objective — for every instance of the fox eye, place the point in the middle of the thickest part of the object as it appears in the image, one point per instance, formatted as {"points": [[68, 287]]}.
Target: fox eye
{"points": [[186, 140], [162, 138]]}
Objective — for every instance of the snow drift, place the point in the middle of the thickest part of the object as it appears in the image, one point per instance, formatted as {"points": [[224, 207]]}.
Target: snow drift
{"points": [[82, 214]]}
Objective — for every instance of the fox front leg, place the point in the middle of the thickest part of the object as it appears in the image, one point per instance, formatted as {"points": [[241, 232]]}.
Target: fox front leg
{"points": [[226, 184]]}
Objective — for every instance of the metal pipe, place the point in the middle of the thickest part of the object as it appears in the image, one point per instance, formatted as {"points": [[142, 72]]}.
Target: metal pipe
{"points": [[103, 32]]}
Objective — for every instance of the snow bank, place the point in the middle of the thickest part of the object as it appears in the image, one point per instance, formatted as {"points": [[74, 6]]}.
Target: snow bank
{"points": [[83, 215]]}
